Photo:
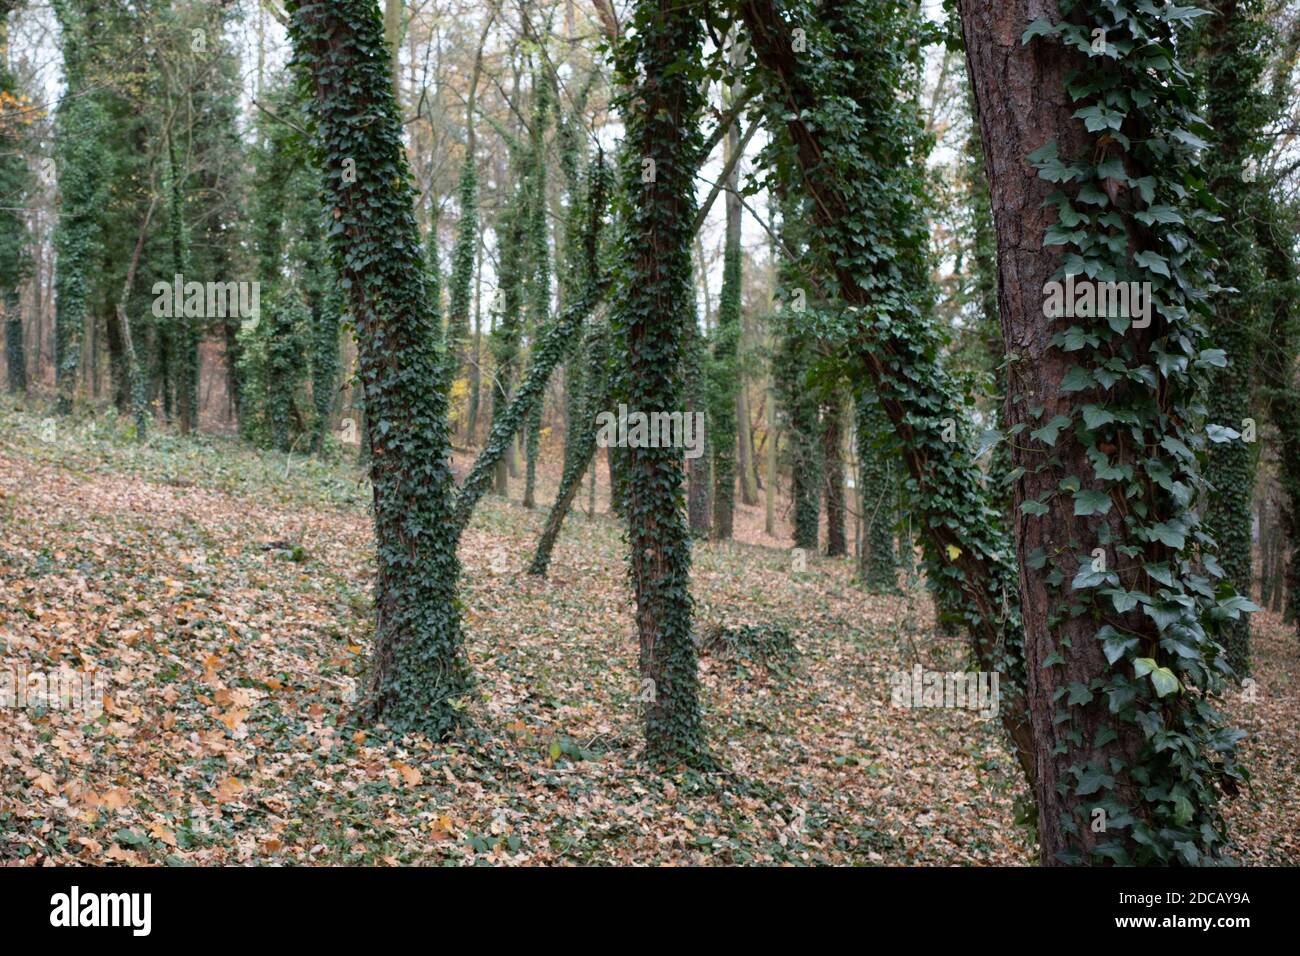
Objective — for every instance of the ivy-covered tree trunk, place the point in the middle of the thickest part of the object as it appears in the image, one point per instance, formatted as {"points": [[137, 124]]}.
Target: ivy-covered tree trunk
{"points": [[285, 350], [698, 511], [325, 319], [462, 266], [1275, 234], [538, 282], [78, 153], [877, 564], [418, 669], [185, 335], [724, 380], [580, 448], [1233, 64], [556, 340], [799, 401], [14, 239], [15, 353], [508, 326], [1130, 754], [833, 474], [661, 103]]}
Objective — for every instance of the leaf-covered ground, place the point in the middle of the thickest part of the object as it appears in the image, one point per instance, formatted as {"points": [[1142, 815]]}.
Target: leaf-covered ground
{"points": [[224, 593]]}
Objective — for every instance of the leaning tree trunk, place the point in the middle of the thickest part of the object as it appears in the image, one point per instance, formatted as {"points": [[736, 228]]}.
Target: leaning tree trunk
{"points": [[418, 666], [895, 346], [580, 446]]}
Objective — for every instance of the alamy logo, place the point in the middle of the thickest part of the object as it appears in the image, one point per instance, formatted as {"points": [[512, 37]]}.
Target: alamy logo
{"points": [[63, 689], [651, 430], [966, 690], [103, 909], [1087, 299], [179, 299]]}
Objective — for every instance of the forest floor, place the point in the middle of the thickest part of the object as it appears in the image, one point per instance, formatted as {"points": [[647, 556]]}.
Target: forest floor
{"points": [[225, 594]]}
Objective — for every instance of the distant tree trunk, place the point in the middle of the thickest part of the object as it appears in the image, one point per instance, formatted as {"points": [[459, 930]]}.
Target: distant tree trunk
{"points": [[1275, 235], [877, 562], [15, 353], [475, 373], [799, 401], [769, 484], [185, 335], [724, 379], [467, 239], [698, 485], [745, 447], [539, 269], [833, 471], [79, 153]]}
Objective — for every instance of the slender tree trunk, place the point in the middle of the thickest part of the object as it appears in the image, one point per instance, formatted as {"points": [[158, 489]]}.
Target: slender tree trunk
{"points": [[1234, 110], [745, 438], [418, 669], [661, 111], [769, 486], [698, 509], [877, 561], [724, 377], [833, 472]]}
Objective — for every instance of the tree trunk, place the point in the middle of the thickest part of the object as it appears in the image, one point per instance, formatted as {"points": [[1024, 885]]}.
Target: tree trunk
{"points": [[418, 669], [1093, 757], [833, 472], [661, 111]]}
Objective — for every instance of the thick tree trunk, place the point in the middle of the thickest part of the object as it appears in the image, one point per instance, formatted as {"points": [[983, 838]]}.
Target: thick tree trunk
{"points": [[1099, 725], [1022, 105]]}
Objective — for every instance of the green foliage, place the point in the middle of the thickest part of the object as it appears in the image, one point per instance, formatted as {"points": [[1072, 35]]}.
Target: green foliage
{"points": [[1159, 609], [273, 369]]}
